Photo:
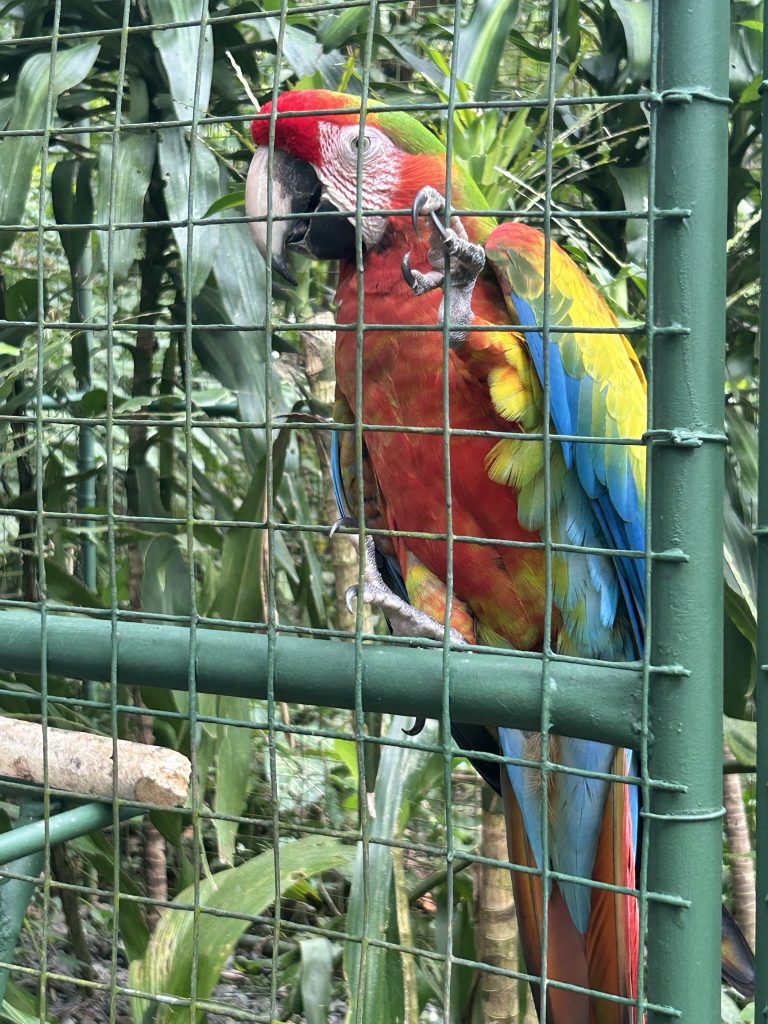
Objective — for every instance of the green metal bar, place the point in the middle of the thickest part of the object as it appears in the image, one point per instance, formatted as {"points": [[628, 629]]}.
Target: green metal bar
{"points": [[493, 689], [761, 688], [15, 893], [30, 838], [691, 122]]}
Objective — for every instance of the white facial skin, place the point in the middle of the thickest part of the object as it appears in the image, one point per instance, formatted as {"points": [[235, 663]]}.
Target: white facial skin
{"points": [[338, 172]]}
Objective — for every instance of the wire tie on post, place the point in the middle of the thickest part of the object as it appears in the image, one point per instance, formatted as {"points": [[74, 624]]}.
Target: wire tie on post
{"points": [[681, 437], [686, 816], [673, 330], [669, 670], [683, 95], [670, 555]]}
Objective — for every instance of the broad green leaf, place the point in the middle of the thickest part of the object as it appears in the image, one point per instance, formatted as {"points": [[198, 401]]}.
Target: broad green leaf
{"points": [[300, 48], [19, 1006], [235, 357], [20, 304], [247, 889], [316, 976], [481, 44], [240, 275], [175, 158], [135, 159], [633, 182], [73, 204], [180, 49], [378, 996], [165, 585], [239, 593], [741, 737], [62, 586], [18, 155], [337, 29], [234, 745], [740, 661], [635, 17]]}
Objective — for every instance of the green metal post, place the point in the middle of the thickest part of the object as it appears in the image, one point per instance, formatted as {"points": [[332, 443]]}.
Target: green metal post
{"points": [[493, 689], [691, 120], [761, 688], [15, 893]]}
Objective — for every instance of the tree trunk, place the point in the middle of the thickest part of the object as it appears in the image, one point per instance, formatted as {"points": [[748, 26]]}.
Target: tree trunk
{"points": [[496, 924], [739, 853], [319, 349]]}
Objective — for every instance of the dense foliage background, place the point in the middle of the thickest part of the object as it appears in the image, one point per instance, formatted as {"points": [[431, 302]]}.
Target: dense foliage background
{"points": [[113, 446]]}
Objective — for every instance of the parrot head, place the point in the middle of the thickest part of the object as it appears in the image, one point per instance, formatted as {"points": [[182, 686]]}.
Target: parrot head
{"points": [[314, 170]]}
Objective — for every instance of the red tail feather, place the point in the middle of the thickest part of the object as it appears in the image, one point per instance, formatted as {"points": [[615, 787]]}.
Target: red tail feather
{"points": [[606, 957]]}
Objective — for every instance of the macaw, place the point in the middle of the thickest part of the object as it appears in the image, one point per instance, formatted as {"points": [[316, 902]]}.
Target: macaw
{"points": [[509, 488]]}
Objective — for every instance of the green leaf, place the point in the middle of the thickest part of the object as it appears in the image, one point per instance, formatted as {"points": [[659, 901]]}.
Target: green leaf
{"points": [[135, 160], [179, 50], [20, 304], [316, 976], [73, 204], [174, 156], [18, 155], [247, 889], [337, 29], [231, 201], [633, 182], [635, 17], [741, 737], [19, 1006], [482, 43], [400, 777], [239, 594], [64, 587], [236, 358], [233, 762]]}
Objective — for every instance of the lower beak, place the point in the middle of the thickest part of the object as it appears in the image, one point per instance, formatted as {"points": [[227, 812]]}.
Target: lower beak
{"points": [[294, 188]]}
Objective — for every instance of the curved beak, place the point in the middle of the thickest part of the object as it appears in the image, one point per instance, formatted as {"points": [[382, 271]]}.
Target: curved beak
{"points": [[294, 189]]}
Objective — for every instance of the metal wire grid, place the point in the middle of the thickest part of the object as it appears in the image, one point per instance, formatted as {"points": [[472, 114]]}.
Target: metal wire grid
{"points": [[658, 1006]]}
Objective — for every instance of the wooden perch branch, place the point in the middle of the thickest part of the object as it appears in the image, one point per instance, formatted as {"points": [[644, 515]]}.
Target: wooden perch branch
{"points": [[82, 762]]}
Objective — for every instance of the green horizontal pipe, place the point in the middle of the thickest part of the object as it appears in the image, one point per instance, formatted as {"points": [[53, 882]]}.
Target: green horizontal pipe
{"points": [[79, 821], [488, 689]]}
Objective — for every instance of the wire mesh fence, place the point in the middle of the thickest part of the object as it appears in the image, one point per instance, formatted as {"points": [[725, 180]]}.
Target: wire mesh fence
{"points": [[170, 576]]}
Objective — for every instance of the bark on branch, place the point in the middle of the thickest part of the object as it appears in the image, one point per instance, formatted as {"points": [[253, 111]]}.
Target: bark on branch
{"points": [[82, 763]]}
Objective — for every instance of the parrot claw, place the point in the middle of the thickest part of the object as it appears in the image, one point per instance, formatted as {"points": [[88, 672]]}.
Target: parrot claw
{"points": [[343, 521], [416, 728], [420, 283], [450, 252], [403, 618], [350, 595]]}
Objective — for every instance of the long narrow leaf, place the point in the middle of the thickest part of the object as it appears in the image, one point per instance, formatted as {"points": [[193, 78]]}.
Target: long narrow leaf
{"points": [[175, 157], [482, 43], [179, 49], [247, 889], [18, 155], [376, 987], [135, 160]]}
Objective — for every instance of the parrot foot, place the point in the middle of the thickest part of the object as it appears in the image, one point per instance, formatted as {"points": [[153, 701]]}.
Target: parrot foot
{"points": [[465, 261], [403, 618]]}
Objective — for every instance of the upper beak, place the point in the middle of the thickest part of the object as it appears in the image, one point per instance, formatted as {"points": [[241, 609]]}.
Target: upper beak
{"points": [[294, 188]]}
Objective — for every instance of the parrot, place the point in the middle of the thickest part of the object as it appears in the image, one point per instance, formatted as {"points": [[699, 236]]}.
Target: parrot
{"points": [[512, 487]]}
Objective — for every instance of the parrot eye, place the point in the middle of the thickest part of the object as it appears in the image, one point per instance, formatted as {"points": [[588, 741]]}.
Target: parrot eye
{"points": [[366, 142]]}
